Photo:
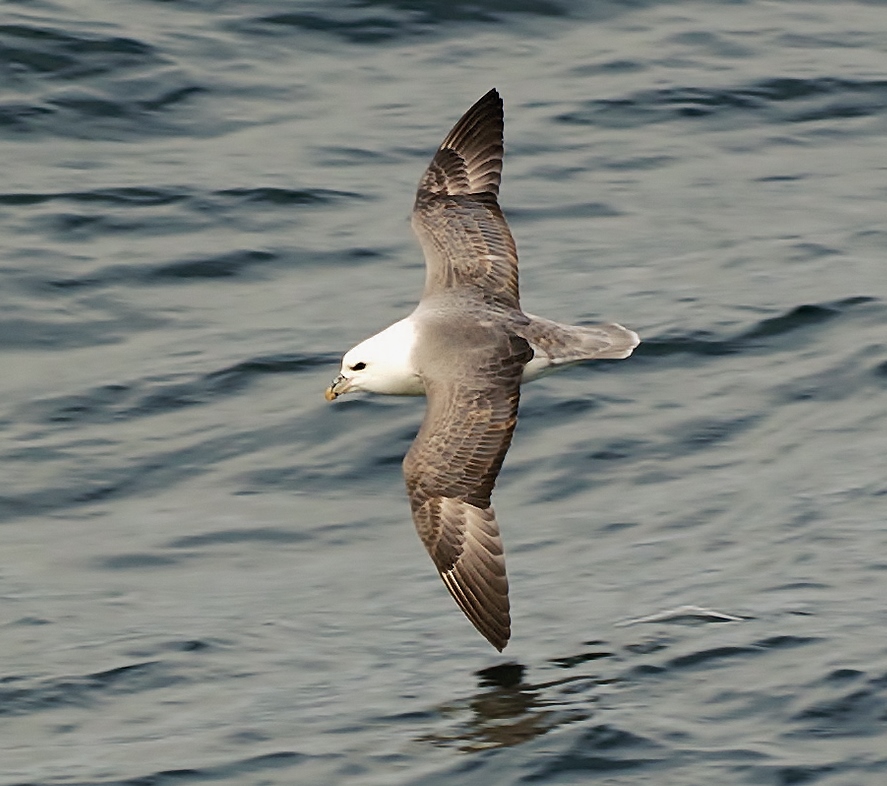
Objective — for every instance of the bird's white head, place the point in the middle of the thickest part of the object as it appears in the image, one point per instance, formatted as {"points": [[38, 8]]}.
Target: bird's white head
{"points": [[381, 364]]}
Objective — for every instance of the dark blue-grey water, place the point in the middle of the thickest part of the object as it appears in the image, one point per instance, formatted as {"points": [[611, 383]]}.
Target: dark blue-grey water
{"points": [[209, 575]]}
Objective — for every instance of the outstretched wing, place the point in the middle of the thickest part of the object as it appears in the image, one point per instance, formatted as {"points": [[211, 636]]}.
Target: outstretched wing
{"points": [[465, 238], [450, 472]]}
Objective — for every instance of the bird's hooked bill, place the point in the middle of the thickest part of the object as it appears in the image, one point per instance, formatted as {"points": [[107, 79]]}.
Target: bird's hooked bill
{"points": [[331, 394]]}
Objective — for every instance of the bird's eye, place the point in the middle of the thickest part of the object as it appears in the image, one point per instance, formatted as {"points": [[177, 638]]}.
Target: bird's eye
{"points": [[359, 366]]}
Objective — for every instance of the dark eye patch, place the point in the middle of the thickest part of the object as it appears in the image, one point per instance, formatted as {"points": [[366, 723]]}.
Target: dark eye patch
{"points": [[359, 366]]}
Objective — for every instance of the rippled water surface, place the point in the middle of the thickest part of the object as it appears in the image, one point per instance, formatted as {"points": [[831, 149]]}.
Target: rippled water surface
{"points": [[209, 575]]}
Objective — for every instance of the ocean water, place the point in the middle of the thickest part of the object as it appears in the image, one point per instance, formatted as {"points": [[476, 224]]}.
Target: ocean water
{"points": [[209, 575]]}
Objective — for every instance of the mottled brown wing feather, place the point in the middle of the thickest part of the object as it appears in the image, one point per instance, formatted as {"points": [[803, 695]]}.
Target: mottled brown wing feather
{"points": [[464, 543], [451, 469], [456, 216]]}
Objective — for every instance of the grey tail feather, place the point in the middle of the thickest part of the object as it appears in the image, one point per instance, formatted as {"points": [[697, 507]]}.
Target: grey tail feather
{"points": [[573, 343]]}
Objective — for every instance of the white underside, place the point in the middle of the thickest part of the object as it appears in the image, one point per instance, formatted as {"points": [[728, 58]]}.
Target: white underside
{"points": [[540, 366]]}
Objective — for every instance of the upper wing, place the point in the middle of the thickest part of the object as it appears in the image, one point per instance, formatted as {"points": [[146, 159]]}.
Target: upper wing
{"points": [[465, 238], [450, 471]]}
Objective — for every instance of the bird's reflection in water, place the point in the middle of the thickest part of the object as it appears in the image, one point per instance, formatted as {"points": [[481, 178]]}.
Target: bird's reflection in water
{"points": [[505, 710]]}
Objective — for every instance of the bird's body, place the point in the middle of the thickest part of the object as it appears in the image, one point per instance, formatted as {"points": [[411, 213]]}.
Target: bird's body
{"points": [[468, 347]]}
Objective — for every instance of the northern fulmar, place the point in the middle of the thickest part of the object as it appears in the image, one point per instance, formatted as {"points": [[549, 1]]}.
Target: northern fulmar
{"points": [[467, 347]]}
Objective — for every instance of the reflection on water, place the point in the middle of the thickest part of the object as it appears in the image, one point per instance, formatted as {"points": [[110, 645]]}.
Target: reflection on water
{"points": [[506, 710]]}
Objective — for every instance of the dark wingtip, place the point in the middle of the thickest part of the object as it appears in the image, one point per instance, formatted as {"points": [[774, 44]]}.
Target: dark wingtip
{"points": [[469, 160], [488, 111], [489, 107], [491, 95]]}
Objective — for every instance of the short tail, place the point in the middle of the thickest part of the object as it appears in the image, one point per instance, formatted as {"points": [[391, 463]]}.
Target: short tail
{"points": [[620, 340], [564, 344]]}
